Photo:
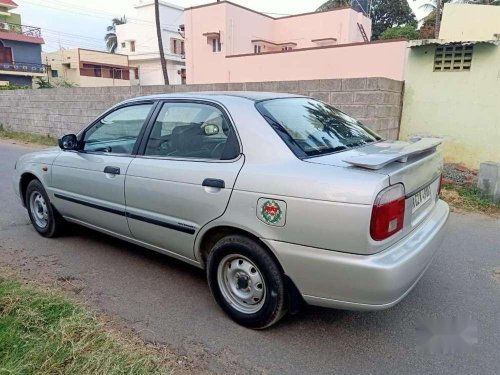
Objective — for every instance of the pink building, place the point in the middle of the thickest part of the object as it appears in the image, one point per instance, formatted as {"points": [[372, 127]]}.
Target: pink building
{"points": [[226, 42]]}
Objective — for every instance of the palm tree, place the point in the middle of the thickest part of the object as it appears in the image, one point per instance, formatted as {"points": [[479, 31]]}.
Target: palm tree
{"points": [[110, 38], [331, 4], [435, 9]]}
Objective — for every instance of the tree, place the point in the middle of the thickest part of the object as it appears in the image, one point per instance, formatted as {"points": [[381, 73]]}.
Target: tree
{"points": [[400, 32], [110, 38], [384, 13], [160, 43], [390, 13], [332, 4], [435, 8]]}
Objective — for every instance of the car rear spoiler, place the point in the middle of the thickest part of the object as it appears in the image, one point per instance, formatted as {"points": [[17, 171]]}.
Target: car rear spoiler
{"points": [[379, 155]]}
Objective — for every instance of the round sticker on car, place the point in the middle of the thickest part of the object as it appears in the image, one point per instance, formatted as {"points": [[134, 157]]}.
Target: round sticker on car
{"points": [[271, 211]]}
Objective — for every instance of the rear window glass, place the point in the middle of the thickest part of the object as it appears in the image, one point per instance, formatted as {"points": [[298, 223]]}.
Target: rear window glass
{"points": [[310, 127]]}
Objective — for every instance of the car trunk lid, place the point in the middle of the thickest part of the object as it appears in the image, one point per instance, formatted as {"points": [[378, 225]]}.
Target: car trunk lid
{"points": [[416, 164]]}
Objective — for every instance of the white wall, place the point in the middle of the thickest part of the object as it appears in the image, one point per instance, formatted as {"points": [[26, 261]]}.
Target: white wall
{"points": [[141, 29]]}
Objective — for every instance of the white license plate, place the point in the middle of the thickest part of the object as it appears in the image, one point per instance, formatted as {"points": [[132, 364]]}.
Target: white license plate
{"points": [[420, 198]]}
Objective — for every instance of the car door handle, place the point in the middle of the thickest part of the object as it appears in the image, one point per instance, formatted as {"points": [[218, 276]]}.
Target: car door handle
{"points": [[112, 170], [213, 182]]}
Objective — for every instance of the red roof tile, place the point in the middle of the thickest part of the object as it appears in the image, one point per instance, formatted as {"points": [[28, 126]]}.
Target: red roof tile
{"points": [[21, 38], [8, 3]]}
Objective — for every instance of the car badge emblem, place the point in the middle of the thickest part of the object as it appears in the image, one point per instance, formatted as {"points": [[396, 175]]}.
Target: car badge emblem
{"points": [[271, 211]]}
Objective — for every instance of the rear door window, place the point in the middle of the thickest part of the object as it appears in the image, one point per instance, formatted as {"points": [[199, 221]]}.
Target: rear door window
{"points": [[192, 131], [310, 127]]}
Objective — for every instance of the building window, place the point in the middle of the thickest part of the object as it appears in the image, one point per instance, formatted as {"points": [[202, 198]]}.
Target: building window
{"points": [[132, 46], [136, 73], [5, 54], [286, 48], [54, 73], [453, 58], [124, 44], [104, 71], [216, 45], [97, 71], [177, 46], [257, 49], [183, 76]]}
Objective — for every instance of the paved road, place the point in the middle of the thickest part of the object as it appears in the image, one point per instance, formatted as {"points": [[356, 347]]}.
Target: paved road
{"points": [[169, 302]]}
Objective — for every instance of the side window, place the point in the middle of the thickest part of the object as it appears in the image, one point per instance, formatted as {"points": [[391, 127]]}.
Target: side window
{"points": [[118, 131], [192, 130]]}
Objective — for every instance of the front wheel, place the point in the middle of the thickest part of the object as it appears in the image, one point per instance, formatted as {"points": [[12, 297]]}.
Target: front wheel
{"points": [[45, 219], [246, 282]]}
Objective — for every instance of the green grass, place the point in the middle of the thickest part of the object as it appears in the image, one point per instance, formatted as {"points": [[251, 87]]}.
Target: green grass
{"points": [[469, 198], [27, 137], [42, 332], [473, 197]]}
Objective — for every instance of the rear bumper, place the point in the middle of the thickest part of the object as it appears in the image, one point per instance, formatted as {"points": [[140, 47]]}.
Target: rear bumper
{"points": [[358, 282]]}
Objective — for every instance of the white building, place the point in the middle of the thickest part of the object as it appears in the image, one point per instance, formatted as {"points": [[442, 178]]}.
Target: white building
{"points": [[138, 39]]}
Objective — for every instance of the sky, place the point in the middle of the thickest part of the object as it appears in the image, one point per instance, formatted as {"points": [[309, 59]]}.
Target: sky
{"points": [[76, 23]]}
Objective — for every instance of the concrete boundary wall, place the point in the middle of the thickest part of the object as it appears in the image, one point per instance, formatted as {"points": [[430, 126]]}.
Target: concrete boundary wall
{"points": [[374, 101]]}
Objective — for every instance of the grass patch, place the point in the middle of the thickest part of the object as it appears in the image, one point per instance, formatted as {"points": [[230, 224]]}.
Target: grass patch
{"points": [[27, 137], [468, 198], [42, 332]]}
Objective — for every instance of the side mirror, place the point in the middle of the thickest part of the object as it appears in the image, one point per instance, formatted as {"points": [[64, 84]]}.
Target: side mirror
{"points": [[210, 129], [68, 142]]}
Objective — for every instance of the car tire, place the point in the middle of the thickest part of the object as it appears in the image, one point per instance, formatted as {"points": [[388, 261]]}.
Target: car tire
{"points": [[43, 216], [246, 282]]}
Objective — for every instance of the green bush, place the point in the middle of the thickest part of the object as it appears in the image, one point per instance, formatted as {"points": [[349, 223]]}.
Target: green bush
{"points": [[401, 32]]}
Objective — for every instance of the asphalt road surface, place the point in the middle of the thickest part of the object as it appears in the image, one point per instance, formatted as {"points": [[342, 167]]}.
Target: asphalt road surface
{"points": [[166, 301]]}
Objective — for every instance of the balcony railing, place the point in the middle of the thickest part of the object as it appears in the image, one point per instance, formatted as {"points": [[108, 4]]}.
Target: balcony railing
{"points": [[22, 67], [20, 29]]}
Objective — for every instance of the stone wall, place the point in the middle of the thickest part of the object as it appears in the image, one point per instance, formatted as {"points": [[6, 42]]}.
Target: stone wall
{"points": [[374, 101]]}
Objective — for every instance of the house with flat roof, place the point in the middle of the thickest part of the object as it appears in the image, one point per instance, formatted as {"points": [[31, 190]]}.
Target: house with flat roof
{"points": [[88, 68], [138, 39], [20, 48], [226, 42], [452, 85]]}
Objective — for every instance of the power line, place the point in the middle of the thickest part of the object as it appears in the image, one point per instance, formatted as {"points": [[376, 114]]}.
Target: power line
{"points": [[89, 12]]}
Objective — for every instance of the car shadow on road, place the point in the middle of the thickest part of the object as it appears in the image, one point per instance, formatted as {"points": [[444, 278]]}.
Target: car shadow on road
{"points": [[195, 279]]}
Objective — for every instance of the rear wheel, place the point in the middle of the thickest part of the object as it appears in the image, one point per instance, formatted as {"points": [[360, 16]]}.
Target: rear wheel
{"points": [[246, 282], [44, 218]]}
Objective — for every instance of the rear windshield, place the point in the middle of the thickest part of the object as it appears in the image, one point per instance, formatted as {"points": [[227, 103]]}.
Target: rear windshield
{"points": [[312, 128]]}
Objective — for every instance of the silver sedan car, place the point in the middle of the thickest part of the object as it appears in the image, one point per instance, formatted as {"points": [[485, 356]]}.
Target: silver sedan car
{"points": [[283, 199]]}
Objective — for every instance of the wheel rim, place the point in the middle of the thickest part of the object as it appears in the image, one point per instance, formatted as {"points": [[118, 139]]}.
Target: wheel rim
{"points": [[38, 209], [241, 283]]}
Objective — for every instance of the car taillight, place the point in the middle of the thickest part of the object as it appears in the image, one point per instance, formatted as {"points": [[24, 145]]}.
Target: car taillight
{"points": [[388, 212], [440, 184]]}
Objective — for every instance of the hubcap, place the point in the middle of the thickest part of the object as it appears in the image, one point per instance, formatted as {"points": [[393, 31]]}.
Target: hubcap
{"points": [[241, 283], [38, 209]]}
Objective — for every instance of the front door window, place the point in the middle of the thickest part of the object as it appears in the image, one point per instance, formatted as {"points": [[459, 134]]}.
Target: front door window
{"points": [[117, 132]]}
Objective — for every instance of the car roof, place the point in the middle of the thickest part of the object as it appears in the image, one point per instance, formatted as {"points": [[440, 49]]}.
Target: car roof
{"points": [[220, 95]]}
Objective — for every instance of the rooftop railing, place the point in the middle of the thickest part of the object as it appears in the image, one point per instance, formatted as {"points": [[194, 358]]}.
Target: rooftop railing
{"points": [[22, 67], [20, 29]]}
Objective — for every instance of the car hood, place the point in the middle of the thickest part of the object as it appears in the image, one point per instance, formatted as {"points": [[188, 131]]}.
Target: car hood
{"points": [[46, 156]]}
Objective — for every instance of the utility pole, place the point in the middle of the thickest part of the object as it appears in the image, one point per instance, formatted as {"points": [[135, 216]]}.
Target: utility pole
{"points": [[160, 42], [437, 25]]}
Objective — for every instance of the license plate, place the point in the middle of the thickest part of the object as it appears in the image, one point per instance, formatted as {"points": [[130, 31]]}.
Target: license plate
{"points": [[420, 198]]}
